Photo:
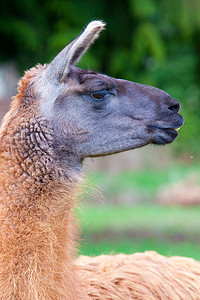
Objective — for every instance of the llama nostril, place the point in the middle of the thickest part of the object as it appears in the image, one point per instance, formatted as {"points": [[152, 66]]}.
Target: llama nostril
{"points": [[174, 107]]}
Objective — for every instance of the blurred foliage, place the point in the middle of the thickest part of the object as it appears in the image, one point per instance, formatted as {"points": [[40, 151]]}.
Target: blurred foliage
{"points": [[155, 42]]}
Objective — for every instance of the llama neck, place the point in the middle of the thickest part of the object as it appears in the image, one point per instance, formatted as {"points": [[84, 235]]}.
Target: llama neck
{"points": [[36, 202]]}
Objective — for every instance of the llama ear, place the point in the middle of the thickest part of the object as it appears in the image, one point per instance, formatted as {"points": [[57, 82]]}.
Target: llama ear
{"points": [[71, 54]]}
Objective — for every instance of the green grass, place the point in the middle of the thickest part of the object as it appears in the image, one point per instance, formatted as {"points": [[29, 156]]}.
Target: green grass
{"points": [[166, 248], [107, 228], [147, 180], [156, 218], [168, 230]]}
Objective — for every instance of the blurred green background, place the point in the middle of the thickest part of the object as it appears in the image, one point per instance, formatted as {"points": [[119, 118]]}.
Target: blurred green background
{"points": [[156, 42]]}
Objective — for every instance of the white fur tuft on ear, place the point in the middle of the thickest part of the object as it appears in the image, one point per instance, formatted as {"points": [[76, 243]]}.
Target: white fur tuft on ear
{"points": [[71, 54], [80, 45]]}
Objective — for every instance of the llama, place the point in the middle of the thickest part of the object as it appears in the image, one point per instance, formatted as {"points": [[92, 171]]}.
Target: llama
{"points": [[61, 115]]}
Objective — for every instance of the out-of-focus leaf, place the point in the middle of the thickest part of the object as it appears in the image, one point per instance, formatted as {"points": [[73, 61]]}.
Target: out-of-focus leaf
{"points": [[147, 41], [143, 8]]}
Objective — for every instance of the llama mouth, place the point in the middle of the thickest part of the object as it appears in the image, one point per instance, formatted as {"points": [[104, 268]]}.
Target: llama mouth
{"points": [[163, 135]]}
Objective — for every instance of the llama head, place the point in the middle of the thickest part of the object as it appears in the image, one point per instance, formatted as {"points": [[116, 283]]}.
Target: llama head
{"points": [[93, 114]]}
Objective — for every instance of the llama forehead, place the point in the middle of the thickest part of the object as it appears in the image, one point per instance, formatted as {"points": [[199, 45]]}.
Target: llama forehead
{"points": [[78, 81], [95, 81], [90, 80]]}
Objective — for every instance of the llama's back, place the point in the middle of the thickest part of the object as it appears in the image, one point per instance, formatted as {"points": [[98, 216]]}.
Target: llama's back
{"points": [[144, 276]]}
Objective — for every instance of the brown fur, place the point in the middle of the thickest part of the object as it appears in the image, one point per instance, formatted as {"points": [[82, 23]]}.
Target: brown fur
{"points": [[37, 229], [141, 276], [36, 220]]}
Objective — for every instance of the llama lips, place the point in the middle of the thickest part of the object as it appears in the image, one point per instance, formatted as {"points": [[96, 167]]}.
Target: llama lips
{"points": [[162, 136]]}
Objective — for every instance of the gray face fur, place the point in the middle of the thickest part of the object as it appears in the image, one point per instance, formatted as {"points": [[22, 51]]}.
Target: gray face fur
{"points": [[94, 114]]}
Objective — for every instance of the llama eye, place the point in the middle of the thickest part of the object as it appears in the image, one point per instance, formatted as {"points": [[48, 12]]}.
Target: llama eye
{"points": [[99, 95]]}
